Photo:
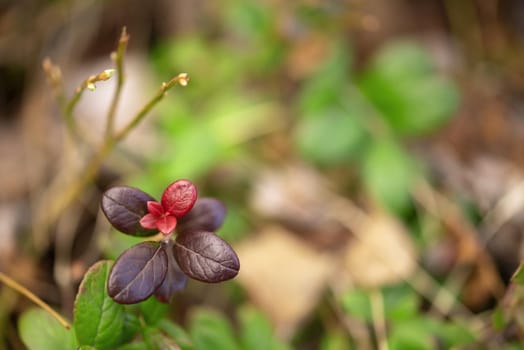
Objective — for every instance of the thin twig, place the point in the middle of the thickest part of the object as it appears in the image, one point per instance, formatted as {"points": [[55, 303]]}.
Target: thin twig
{"points": [[379, 320], [474, 253], [353, 218], [89, 83], [65, 196], [8, 281], [119, 61], [357, 330], [181, 79]]}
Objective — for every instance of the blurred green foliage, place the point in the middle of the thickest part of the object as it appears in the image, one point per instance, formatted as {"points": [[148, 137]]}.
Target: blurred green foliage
{"points": [[100, 323], [408, 328], [39, 330], [337, 117], [333, 116]]}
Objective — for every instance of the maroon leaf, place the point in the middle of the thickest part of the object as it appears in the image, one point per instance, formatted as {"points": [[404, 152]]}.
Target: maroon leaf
{"points": [[137, 273], [207, 215], [179, 197], [124, 207], [175, 279], [205, 257]]}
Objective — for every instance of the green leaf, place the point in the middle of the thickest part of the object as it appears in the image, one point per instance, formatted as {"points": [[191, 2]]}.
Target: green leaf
{"points": [[130, 328], [136, 345], [156, 340], [327, 86], [414, 334], [455, 335], [402, 60], [249, 19], [388, 174], [41, 331], [235, 119], [331, 137], [400, 303], [257, 333], [403, 86], [211, 331], [176, 332], [195, 152], [498, 319], [335, 340], [518, 276], [98, 320], [153, 310], [356, 304], [426, 332]]}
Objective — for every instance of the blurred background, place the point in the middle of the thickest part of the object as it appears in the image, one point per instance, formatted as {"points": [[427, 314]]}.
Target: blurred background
{"points": [[369, 153]]}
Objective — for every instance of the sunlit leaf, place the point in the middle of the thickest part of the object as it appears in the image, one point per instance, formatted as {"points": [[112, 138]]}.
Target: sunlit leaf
{"points": [[335, 340], [197, 151], [124, 207], [98, 320], [205, 257], [40, 331], [413, 334], [207, 215], [356, 304], [137, 273]]}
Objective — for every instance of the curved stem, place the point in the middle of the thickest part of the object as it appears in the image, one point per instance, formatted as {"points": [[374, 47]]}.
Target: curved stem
{"points": [[62, 199], [11, 283], [119, 61], [181, 79]]}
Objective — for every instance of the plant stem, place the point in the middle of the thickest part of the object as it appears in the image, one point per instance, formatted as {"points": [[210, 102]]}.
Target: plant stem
{"points": [[181, 79], [379, 321], [65, 197], [8, 281], [119, 60]]}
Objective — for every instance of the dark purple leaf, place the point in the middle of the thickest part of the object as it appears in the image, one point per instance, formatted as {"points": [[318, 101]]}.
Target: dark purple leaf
{"points": [[207, 215], [124, 207], [175, 279], [179, 197], [205, 257], [137, 273]]}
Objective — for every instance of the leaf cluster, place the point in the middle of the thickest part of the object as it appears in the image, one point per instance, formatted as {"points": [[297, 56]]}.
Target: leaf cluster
{"points": [[101, 323], [161, 268]]}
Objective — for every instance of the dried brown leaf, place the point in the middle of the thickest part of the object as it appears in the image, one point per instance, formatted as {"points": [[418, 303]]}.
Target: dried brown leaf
{"points": [[382, 254], [283, 275]]}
